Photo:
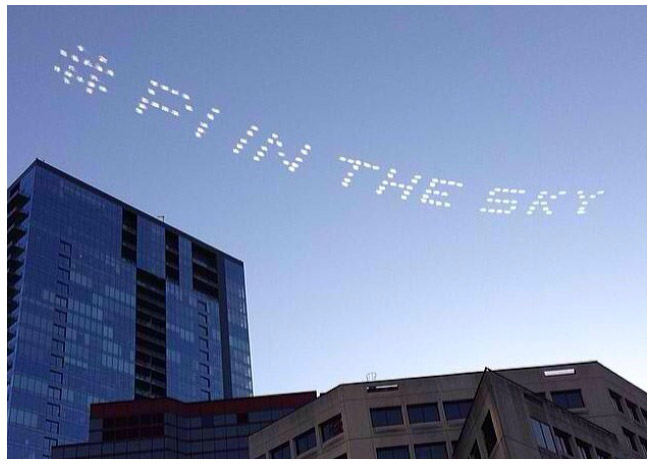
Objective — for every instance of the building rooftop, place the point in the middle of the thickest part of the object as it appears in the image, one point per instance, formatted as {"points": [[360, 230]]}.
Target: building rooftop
{"points": [[235, 405], [42, 164]]}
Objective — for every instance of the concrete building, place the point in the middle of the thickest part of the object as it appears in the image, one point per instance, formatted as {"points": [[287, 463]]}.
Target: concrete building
{"points": [[573, 410], [108, 303], [166, 428], [507, 420]]}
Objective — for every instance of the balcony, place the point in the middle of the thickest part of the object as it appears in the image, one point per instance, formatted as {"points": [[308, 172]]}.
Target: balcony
{"points": [[157, 356], [14, 233], [154, 323], [14, 250], [16, 216], [13, 278], [150, 380], [14, 264], [145, 389], [151, 366], [150, 343], [155, 334], [17, 200], [129, 230], [210, 290], [204, 263]]}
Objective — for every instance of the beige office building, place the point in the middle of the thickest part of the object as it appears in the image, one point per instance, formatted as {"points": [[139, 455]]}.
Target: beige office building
{"points": [[579, 410]]}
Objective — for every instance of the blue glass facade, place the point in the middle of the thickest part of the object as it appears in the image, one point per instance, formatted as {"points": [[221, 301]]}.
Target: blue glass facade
{"points": [[103, 307], [237, 319]]}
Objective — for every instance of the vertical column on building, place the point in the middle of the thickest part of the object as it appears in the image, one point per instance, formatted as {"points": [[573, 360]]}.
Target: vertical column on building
{"points": [[150, 334], [172, 256], [203, 330], [128, 236], [206, 280], [58, 346], [150, 356]]}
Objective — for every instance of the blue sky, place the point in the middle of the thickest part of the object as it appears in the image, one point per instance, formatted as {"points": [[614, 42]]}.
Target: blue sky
{"points": [[342, 282]]}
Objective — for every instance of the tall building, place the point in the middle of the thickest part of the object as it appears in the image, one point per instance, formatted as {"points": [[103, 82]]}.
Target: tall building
{"points": [[166, 428], [579, 410], [107, 303]]}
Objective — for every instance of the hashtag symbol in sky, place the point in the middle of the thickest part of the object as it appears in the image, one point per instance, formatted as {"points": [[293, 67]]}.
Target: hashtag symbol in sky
{"points": [[83, 69]]}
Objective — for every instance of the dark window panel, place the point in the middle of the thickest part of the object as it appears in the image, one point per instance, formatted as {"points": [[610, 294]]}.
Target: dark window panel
{"points": [[281, 452], [305, 441], [631, 439], [331, 428], [489, 433], [475, 451], [584, 449], [568, 399], [423, 413], [386, 416], [601, 454], [435, 450], [634, 411], [562, 442], [396, 452], [457, 409]]}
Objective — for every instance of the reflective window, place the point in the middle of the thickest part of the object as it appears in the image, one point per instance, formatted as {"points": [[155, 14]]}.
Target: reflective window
{"points": [[53, 410], [62, 288], [59, 331], [54, 393], [542, 434], [52, 426], [63, 274], [56, 377], [64, 248]]}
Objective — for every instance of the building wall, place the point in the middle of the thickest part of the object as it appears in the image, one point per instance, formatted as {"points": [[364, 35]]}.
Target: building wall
{"points": [[595, 383], [360, 439], [512, 412], [238, 343], [74, 338]]}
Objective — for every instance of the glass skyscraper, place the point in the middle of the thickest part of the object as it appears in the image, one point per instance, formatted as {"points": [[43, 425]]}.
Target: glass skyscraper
{"points": [[107, 303]]}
